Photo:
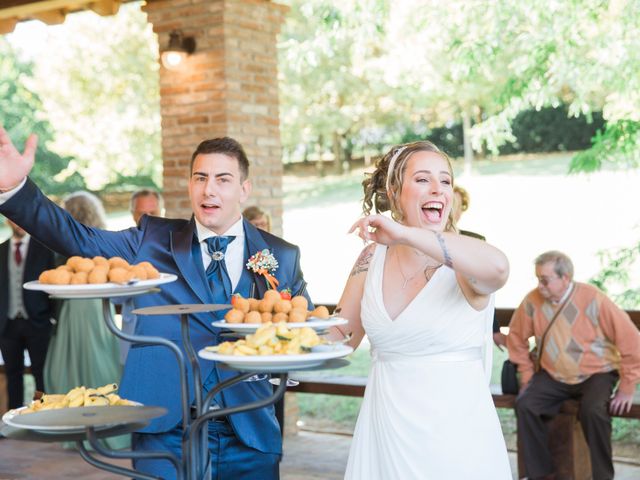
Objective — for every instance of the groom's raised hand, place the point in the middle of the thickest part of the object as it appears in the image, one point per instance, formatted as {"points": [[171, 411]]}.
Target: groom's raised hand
{"points": [[14, 166]]}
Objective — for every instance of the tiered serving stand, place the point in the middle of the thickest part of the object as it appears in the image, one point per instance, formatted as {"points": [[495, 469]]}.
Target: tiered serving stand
{"points": [[94, 423]]}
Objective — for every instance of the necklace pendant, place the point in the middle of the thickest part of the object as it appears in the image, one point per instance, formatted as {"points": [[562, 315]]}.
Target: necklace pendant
{"points": [[404, 283]]}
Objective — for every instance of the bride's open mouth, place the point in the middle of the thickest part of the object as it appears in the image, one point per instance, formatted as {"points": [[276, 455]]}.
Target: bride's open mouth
{"points": [[433, 211]]}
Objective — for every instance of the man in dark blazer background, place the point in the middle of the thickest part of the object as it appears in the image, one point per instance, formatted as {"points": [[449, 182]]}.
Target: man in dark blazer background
{"points": [[25, 316], [246, 445]]}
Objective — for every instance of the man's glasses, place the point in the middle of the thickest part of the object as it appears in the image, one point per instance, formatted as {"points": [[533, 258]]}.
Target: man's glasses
{"points": [[545, 281]]}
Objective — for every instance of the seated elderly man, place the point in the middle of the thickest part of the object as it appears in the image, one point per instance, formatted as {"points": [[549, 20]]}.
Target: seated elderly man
{"points": [[585, 343]]}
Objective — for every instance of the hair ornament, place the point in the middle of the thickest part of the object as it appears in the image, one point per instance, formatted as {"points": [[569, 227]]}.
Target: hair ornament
{"points": [[392, 164]]}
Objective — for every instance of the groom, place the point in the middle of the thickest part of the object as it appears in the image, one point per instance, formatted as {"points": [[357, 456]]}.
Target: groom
{"points": [[242, 446]]}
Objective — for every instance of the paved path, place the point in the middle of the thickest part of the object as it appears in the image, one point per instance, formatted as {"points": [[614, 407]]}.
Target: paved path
{"points": [[308, 456]]}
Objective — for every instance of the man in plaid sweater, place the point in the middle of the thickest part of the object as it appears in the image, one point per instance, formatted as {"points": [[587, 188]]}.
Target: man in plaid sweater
{"points": [[590, 345]]}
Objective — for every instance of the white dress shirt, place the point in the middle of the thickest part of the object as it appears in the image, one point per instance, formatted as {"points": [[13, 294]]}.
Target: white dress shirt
{"points": [[10, 193], [233, 257]]}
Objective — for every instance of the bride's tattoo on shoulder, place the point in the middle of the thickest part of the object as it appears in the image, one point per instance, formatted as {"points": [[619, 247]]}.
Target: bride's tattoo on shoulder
{"points": [[448, 261], [362, 263]]}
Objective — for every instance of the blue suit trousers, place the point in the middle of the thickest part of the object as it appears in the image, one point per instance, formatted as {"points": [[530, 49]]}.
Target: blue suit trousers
{"points": [[230, 458]]}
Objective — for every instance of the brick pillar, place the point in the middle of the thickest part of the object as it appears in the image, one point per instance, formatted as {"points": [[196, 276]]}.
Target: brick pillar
{"points": [[228, 87]]}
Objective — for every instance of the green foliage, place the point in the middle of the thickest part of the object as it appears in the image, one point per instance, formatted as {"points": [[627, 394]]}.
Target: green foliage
{"points": [[19, 110], [129, 183], [367, 74], [551, 130], [331, 86], [616, 279], [618, 144], [100, 92], [583, 53], [626, 430]]}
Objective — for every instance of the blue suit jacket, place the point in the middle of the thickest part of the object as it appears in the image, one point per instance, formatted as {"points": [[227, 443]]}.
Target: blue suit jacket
{"points": [[151, 373]]}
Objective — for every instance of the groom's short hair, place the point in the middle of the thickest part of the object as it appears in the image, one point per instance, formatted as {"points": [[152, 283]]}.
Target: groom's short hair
{"points": [[227, 146]]}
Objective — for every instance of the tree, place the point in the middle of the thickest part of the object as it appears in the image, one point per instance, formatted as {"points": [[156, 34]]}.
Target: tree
{"points": [[483, 62], [98, 80], [331, 78], [19, 115], [453, 56], [615, 276]]}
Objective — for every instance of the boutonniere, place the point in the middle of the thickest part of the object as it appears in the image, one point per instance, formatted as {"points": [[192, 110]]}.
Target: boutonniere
{"points": [[265, 264]]}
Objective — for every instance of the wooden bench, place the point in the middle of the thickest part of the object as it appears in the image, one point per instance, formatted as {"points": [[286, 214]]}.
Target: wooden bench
{"points": [[566, 440]]}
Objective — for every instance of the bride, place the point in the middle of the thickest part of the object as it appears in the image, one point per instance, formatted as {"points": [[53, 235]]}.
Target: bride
{"points": [[423, 295]]}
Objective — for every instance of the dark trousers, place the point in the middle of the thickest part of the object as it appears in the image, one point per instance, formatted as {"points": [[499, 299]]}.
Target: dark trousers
{"points": [[279, 409], [541, 401], [230, 458], [18, 336]]}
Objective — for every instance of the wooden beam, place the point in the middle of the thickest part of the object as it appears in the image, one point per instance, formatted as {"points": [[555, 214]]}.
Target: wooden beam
{"points": [[7, 25], [26, 9], [52, 17], [105, 7]]}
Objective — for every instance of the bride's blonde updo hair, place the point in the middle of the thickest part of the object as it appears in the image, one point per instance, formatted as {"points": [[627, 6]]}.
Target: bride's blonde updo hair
{"points": [[382, 188]]}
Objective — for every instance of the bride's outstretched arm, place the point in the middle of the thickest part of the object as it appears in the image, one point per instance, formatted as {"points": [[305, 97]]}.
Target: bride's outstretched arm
{"points": [[349, 305], [483, 267]]}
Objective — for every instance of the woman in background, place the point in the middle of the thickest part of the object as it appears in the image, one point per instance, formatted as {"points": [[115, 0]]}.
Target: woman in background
{"points": [[258, 218], [82, 350]]}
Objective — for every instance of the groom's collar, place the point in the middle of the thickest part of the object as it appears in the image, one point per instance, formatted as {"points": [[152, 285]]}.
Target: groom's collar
{"points": [[203, 232]]}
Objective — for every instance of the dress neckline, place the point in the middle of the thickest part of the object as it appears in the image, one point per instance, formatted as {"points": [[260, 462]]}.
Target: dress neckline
{"points": [[385, 249]]}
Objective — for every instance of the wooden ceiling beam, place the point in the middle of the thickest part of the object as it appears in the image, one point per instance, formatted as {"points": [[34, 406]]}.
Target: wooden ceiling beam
{"points": [[52, 17], [105, 7], [51, 12], [29, 9], [25, 9], [7, 25]]}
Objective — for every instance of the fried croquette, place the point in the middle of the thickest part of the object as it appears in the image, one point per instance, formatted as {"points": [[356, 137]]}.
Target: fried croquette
{"points": [[84, 265], [300, 302], [282, 306], [99, 274], [320, 312], [60, 276], [265, 306], [272, 296], [280, 317], [100, 261], [253, 317], [79, 278], [298, 315], [234, 316], [118, 262], [120, 275], [139, 272]]}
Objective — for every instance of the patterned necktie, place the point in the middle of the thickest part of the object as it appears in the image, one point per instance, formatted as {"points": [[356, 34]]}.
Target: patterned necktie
{"points": [[217, 274], [18, 253]]}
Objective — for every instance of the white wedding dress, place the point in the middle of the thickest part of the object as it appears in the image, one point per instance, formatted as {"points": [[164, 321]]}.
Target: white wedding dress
{"points": [[427, 411]]}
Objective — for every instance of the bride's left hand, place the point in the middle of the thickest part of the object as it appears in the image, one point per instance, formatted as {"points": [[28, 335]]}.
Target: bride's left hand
{"points": [[379, 229]]}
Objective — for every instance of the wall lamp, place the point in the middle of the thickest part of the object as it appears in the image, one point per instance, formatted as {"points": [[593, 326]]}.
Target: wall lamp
{"points": [[177, 50]]}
